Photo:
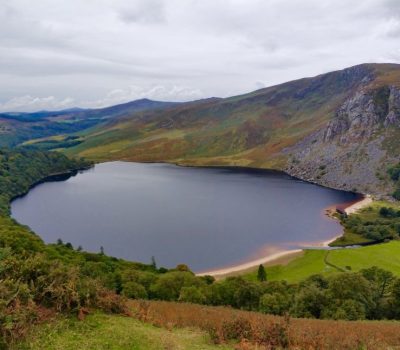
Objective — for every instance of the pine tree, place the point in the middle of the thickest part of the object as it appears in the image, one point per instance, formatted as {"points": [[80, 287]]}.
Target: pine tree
{"points": [[261, 274], [153, 263]]}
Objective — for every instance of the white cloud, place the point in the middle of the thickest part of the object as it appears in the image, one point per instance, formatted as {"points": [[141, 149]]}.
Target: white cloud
{"points": [[85, 49], [28, 103], [156, 92], [145, 11]]}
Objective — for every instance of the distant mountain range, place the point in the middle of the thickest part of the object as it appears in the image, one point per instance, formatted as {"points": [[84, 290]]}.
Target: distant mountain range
{"points": [[340, 129]]}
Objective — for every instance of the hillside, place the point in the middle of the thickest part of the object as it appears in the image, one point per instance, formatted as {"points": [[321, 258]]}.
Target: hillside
{"points": [[105, 332], [16, 128], [340, 129], [168, 325]]}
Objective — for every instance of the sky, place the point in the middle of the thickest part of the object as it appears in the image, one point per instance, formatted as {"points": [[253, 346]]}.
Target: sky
{"points": [[57, 54]]}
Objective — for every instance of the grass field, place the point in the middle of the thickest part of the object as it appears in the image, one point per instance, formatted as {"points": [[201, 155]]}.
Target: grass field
{"points": [[158, 325], [385, 256], [112, 332]]}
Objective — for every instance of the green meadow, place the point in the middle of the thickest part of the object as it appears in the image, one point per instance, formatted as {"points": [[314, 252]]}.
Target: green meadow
{"points": [[112, 332], [327, 262]]}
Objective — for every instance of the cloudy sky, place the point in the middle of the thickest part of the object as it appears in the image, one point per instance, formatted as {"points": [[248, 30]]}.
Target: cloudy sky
{"points": [[57, 54]]}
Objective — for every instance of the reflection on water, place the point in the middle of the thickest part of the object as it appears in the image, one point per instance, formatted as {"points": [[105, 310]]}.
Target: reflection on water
{"points": [[204, 217]]}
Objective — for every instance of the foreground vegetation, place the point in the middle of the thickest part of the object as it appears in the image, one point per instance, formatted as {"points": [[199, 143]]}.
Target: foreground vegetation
{"points": [[100, 331], [170, 325], [38, 280], [35, 277], [270, 332]]}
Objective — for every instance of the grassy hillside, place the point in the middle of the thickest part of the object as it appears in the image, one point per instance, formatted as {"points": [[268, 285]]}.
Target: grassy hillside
{"points": [[112, 332], [16, 128], [162, 325], [249, 130], [328, 262]]}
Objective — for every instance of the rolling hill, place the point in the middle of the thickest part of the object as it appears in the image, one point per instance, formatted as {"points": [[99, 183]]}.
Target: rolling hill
{"points": [[19, 127]]}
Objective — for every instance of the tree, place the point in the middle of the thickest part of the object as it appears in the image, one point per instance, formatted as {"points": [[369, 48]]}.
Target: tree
{"points": [[261, 274], [182, 267], [275, 303], [169, 285], [153, 263], [247, 295], [192, 295], [309, 301], [101, 250], [134, 290]]}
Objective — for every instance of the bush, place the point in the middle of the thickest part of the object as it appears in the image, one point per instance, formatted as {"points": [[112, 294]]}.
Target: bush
{"points": [[237, 329], [275, 303], [134, 290], [192, 295], [169, 285]]}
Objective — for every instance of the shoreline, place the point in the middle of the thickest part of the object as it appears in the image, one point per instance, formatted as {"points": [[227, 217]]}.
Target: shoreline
{"points": [[367, 200], [240, 268], [219, 273], [229, 167]]}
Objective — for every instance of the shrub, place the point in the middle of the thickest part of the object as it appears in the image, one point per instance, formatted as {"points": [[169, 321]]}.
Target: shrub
{"points": [[237, 329], [134, 290], [169, 285], [275, 303], [192, 295]]}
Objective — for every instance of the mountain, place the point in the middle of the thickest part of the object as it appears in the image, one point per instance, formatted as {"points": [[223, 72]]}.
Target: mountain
{"points": [[16, 128], [340, 129]]}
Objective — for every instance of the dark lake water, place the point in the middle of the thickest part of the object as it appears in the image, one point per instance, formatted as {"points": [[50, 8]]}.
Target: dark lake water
{"points": [[204, 217]]}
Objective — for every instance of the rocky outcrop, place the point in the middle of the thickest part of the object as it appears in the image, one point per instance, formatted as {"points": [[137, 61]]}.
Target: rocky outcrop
{"points": [[363, 113], [393, 116], [351, 152]]}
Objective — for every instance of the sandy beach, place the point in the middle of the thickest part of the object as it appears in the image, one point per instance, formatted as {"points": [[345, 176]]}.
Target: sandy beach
{"points": [[367, 200], [224, 272], [281, 257]]}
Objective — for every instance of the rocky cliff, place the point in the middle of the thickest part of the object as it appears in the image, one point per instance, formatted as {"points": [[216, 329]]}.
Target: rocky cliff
{"points": [[354, 149]]}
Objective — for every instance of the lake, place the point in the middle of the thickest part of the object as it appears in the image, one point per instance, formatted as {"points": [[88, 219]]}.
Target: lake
{"points": [[204, 217]]}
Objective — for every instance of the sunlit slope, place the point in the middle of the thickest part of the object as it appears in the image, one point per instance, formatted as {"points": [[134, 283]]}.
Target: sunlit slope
{"points": [[249, 130]]}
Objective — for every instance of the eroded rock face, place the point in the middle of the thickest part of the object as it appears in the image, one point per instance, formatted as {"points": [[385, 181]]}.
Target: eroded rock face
{"points": [[363, 113], [393, 117], [350, 152]]}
